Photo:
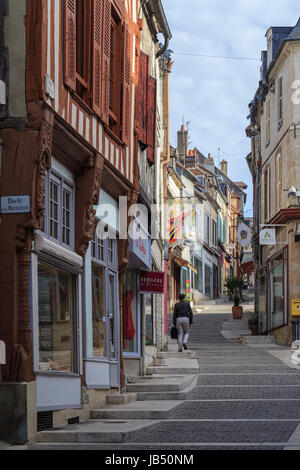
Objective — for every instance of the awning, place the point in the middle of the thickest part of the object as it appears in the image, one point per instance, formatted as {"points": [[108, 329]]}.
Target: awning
{"points": [[182, 262], [247, 267]]}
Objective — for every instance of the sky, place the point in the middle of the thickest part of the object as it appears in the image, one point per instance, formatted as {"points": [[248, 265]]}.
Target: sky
{"points": [[213, 94]]}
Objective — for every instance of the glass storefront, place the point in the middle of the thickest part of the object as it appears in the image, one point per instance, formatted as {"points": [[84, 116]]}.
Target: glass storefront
{"points": [[198, 277], [130, 314], [149, 316], [57, 319], [262, 314], [277, 287], [207, 280], [99, 311]]}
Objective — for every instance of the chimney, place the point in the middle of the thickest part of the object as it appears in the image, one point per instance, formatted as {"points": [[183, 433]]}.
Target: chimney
{"points": [[182, 143], [224, 166]]}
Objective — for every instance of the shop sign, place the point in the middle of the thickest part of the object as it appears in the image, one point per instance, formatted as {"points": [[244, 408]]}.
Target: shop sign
{"points": [[267, 236], [15, 204], [152, 282]]}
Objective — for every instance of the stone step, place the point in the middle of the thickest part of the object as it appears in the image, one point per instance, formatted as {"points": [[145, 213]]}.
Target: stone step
{"points": [[121, 399], [260, 339], [171, 370], [160, 383], [94, 431], [185, 354], [167, 395], [138, 410]]}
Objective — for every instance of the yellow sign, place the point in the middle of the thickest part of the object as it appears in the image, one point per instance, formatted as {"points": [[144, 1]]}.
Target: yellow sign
{"points": [[295, 307]]}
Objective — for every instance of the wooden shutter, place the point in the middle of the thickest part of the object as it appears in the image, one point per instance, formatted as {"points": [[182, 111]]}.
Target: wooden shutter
{"points": [[70, 43], [151, 118], [126, 102], [142, 97], [106, 60], [97, 55]]}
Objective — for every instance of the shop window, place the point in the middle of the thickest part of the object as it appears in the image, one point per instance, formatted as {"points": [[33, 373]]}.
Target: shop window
{"points": [[57, 319], [130, 314], [149, 317], [59, 213], [277, 299], [99, 311]]}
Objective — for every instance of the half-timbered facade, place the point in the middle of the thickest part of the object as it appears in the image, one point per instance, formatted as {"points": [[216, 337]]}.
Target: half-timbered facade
{"points": [[69, 143]]}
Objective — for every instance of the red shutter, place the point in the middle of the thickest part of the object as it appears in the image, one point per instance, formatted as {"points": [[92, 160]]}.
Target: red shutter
{"points": [[126, 102], [97, 54], [70, 43], [106, 60], [142, 97], [151, 118]]}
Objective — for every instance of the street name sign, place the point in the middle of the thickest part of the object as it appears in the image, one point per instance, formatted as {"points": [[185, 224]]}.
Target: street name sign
{"points": [[15, 204]]}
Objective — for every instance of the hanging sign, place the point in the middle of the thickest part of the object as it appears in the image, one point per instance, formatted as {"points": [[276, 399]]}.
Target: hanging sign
{"points": [[244, 235], [152, 282], [267, 236]]}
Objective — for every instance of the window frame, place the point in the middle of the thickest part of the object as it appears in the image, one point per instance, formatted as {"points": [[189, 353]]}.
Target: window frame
{"points": [[35, 258], [280, 101], [85, 45], [268, 121], [63, 184]]}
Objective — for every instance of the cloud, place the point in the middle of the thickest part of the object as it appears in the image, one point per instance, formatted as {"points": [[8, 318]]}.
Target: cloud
{"points": [[213, 94]]}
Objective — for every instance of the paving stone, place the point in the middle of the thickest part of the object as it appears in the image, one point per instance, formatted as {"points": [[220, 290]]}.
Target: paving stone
{"points": [[251, 379], [237, 410], [215, 432], [244, 392]]}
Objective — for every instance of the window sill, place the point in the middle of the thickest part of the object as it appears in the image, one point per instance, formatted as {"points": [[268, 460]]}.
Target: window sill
{"points": [[82, 103]]}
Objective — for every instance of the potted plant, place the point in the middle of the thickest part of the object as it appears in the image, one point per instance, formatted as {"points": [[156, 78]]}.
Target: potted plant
{"points": [[234, 291], [253, 323]]}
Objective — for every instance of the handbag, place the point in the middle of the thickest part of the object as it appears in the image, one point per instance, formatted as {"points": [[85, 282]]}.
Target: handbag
{"points": [[174, 332]]}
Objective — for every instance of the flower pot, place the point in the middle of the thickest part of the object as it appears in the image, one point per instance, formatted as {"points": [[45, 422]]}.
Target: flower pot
{"points": [[237, 312]]}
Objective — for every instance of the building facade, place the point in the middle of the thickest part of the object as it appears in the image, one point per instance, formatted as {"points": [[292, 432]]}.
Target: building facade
{"points": [[274, 164], [70, 122]]}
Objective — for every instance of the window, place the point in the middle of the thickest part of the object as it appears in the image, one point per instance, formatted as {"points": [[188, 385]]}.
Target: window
{"points": [[83, 45], [278, 178], [57, 319], [97, 61], [268, 122], [214, 232], [115, 73], [130, 314], [280, 101], [266, 201], [103, 292], [59, 213], [207, 229]]}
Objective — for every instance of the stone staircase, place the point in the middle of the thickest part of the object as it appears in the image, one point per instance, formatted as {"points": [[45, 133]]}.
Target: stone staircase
{"points": [[147, 398]]}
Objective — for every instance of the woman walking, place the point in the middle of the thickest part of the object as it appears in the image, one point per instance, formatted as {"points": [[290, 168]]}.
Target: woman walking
{"points": [[182, 319]]}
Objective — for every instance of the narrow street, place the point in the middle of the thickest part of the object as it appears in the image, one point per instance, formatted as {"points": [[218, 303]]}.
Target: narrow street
{"points": [[242, 398]]}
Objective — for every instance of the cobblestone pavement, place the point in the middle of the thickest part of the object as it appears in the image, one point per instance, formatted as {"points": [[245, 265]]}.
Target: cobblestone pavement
{"points": [[245, 399]]}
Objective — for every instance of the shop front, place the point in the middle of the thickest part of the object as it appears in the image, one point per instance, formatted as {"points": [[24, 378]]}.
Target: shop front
{"points": [[136, 305], [101, 301], [56, 298]]}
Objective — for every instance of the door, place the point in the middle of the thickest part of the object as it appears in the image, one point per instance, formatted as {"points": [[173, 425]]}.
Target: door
{"points": [[112, 328]]}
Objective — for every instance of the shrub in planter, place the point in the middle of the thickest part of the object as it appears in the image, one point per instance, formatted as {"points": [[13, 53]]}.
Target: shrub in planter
{"points": [[234, 291], [253, 324]]}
